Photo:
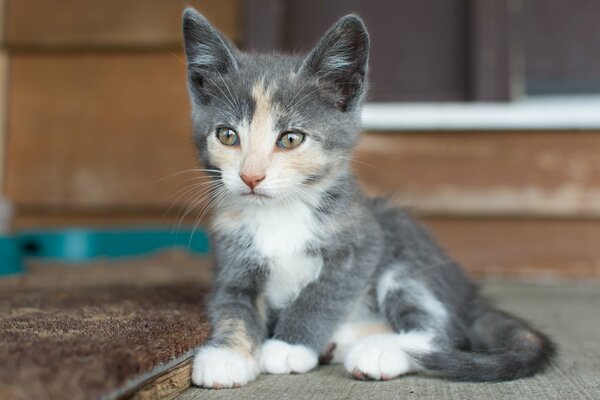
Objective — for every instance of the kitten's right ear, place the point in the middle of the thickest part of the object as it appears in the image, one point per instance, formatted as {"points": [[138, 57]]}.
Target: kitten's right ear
{"points": [[206, 50]]}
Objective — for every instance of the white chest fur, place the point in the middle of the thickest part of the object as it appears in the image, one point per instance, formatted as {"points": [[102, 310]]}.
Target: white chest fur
{"points": [[281, 234]]}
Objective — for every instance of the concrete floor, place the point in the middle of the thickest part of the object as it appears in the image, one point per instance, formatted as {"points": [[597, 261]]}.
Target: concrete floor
{"points": [[568, 312]]}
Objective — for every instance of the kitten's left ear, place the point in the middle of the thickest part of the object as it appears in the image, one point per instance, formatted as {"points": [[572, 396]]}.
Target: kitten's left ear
{"points": [[339, 61]]}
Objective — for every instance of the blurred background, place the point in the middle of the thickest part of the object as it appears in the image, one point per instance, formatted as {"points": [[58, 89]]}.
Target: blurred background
{"points": [[483, 116]]}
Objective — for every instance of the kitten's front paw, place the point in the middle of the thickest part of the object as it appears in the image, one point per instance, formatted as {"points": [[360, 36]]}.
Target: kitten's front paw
{"points": [[377, 357], [278, 357], [219, 368]]}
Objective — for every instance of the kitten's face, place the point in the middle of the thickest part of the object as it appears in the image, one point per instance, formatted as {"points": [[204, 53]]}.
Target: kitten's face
{"points": [[274, 128], [270, 151]]}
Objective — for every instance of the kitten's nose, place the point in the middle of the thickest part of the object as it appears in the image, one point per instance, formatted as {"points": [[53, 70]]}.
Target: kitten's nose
{"points": [[251, 180]]}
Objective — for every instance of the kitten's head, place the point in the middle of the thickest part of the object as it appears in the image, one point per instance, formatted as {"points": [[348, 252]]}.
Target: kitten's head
{"points": [[274, 127]]}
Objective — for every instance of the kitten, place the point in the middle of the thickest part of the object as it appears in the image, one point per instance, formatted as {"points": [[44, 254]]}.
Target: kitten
{"points": [[306, 265]]}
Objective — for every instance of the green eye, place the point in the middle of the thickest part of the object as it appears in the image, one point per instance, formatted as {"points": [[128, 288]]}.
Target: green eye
{"points": [[228, 136], [289, 140]]}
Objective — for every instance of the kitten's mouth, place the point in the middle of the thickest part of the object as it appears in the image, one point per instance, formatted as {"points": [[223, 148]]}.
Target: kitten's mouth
{"points": [[256, 195]]}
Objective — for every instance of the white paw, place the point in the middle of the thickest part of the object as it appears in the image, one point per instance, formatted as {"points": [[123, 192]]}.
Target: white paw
{"points": [[278, 357], [378, 357], [219, 368]]}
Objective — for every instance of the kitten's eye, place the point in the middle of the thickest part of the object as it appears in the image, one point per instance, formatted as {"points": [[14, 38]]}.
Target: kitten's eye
{"points": [[228, 136], [289, 140]]}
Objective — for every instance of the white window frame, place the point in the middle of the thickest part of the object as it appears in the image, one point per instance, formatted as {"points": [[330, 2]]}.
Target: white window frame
{"points": [[533, 113]]}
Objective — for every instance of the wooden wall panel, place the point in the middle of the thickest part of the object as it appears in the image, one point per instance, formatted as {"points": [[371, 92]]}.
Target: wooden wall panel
{"points": [[485, 173], [2, 20], [3, 109], [63, 217], [97, 130], [100, 117], [522, 247], [110, 23]]}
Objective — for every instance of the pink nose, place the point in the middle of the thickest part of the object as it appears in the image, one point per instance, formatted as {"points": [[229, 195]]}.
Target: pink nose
{"points": [[251, 180]]}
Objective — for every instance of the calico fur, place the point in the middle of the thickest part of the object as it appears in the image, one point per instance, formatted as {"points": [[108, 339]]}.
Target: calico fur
{"points": [[308, 266]]}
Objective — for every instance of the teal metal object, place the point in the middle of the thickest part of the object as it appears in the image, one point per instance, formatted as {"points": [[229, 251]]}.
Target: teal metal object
{"points": [[10, 256], [81, 245]]}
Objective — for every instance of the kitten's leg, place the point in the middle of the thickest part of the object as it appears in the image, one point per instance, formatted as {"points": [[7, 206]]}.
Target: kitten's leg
{"points": [[414, 313], [364, 320], [229, 357], [304, 327]]}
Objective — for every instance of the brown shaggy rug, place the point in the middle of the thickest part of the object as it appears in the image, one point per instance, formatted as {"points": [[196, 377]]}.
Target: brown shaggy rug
{"points": [[99, 331]]}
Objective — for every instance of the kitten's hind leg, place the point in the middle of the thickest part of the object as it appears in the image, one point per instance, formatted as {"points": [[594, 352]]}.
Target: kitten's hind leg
{"points": [[416, 317], [386, 356]]}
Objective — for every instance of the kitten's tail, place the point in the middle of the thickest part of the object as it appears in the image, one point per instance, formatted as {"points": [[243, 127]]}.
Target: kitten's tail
{"points": [[502, 348]]}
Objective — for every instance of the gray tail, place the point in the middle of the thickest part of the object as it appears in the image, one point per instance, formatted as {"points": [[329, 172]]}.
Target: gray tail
{"points": [[501, 348]]}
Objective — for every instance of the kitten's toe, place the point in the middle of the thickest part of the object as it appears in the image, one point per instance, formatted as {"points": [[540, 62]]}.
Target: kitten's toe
{"points": [[357, 374], [326, 357], [374, 357], [278, 357], [219, 368]]}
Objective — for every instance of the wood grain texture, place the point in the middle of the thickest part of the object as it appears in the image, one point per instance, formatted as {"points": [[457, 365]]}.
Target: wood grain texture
{"points": [[97, 130], [110, 23], [2, 20], [108, 126], [167, 385], [4, 70], [485, 173], [522, 247], [63, 217]]}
